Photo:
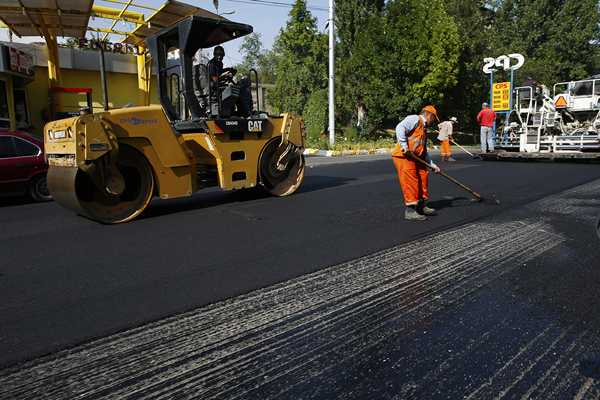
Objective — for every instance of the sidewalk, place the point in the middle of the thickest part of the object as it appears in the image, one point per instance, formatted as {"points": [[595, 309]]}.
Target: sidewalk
{"points": [[327, 157], [338, 153], [335, 153]]}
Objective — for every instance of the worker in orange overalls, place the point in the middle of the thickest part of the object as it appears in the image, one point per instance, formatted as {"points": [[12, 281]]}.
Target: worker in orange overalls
{"points": [[445, 136], [412, 142]]}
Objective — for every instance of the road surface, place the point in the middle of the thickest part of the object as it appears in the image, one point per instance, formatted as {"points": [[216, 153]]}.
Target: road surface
{"points": [[328, 293]]}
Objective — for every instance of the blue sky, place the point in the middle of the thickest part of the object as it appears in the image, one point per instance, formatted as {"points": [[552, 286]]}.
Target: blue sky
{"points": [[267, 17]]}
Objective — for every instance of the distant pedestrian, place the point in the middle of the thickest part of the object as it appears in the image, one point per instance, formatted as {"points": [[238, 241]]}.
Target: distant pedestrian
{"points": [[413, 176], [486, 118], [446, 128]]}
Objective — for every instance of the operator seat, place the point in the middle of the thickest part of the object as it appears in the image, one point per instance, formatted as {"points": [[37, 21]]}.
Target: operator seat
{"points": [[236, 98], [208, 92], [528, 98], [201, 82]]}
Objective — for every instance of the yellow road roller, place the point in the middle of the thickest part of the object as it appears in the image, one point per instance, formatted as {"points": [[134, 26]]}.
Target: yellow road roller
{"points": [[108, 165]]}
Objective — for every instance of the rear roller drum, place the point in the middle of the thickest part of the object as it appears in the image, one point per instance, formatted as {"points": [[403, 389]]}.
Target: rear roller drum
{"points": [[73, 189], [280, 182]]}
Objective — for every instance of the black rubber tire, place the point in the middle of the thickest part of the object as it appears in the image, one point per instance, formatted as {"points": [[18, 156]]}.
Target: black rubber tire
{"points": [[38, 189]]}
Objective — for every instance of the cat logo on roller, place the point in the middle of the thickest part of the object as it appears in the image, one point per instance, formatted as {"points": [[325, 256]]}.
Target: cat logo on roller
{"points": [[254, 126]]}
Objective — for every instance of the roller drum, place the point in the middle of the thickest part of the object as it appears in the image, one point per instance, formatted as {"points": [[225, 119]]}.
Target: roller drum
{"points": [[73, 189], [275, 181]]}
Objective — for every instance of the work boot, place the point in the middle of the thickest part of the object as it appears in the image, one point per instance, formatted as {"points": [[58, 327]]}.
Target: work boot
{"points": [[444, 158], [450, 159], [412, 214], [424, 210]]}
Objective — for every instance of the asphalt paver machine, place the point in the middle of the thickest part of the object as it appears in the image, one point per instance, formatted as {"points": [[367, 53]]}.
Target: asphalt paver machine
{"points": [[109, 165], [564, 126]]}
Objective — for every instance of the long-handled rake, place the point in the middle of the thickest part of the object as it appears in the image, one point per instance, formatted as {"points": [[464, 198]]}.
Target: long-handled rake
{"points": [[472, 155], [481, 198]]}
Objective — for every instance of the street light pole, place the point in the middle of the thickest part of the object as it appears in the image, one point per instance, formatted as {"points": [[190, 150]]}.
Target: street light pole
{"points": [[331, 80]]}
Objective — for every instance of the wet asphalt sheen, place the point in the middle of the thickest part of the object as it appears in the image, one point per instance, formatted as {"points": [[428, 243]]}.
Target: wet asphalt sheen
{"points": [[504, 307]]}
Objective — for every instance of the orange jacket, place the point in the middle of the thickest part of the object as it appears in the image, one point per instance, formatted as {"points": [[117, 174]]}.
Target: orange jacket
{"points": [[417, 141]]}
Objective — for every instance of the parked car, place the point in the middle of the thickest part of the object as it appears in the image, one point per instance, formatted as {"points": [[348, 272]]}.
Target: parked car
{"points": [[22, 165]]}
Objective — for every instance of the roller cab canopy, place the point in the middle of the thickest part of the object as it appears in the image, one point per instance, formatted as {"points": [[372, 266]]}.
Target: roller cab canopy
{"points": [[189, 35]]}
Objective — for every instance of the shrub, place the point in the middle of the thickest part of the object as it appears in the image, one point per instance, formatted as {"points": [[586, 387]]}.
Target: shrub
{"points": [[316, 114]]}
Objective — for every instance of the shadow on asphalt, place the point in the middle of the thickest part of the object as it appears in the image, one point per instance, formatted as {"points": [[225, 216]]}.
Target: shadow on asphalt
{"points": [[202, 199], [214, 197], [314, 183], [450, 203], [10, 201]]}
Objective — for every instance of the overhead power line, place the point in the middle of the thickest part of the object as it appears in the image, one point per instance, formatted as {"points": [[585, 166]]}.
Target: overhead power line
{"points": [[277, 4]]}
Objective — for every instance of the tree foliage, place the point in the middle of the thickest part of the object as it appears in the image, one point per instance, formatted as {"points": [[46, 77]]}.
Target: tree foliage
{"points": [[407, 59], [302, 68], [473, 20], [394, 57], [352, 19], [256, 57], [559, 38]]}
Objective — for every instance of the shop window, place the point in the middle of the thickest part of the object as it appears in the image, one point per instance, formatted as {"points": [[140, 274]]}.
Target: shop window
{"points": [[4, 114], [22, 106]]}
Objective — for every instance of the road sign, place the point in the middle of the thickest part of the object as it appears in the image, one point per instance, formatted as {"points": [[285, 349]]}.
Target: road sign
{"points": [[501, 96]]}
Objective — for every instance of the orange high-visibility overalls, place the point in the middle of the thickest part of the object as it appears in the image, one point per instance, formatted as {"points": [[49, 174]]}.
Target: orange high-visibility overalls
{"points": [[413, 176], [446, 150]]}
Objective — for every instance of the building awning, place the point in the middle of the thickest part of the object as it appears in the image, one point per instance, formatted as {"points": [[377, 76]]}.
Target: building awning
{"points": [[66, 18], [70, 18]]}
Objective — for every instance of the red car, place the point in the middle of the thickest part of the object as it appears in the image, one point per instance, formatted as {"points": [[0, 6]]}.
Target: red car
{"points": [[22, 165]]}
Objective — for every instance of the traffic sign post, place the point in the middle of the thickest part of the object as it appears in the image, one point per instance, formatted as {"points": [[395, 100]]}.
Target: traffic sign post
{"points": [[501, 93]]}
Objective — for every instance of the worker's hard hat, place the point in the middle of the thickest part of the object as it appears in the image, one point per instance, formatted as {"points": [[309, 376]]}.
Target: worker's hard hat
{"points": [[453, 119], [485, 105], [432, 110]]}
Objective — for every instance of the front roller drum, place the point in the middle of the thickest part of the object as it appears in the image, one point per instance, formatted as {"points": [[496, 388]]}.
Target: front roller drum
{"points": [[73, 189], [280, 183]]}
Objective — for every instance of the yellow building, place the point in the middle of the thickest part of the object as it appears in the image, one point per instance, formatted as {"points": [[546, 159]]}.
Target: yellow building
{"points": [[29, 82]]}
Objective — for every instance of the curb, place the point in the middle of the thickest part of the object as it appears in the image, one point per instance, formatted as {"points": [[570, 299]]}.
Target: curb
{"points": [[335, 153]]}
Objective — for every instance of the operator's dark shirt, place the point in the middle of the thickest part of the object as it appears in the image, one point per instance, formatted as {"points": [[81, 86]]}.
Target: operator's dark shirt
{"points": [[531, 83], [215, 67]]}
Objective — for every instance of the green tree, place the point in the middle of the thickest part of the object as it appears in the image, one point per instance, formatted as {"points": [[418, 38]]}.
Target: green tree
{"points": [[473, 20], [257, 58], [407, 59], [268, 62], [559, 38], [352, 18], [251, 49], [302, 68]]}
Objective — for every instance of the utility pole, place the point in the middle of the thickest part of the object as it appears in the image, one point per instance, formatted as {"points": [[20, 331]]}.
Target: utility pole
{"points": [[331, 80]]}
